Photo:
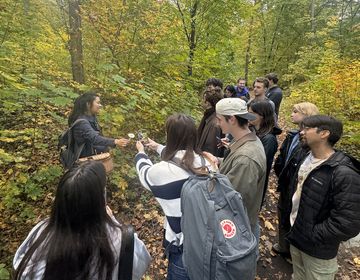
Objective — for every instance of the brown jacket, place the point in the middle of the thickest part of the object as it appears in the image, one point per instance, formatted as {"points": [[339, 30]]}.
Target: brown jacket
{"points": [[207, 137]]}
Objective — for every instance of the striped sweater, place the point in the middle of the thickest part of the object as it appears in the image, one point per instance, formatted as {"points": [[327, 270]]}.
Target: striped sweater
{"points": [[165, 181]]}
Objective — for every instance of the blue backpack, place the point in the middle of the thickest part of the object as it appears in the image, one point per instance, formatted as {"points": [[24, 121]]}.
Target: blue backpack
{"points": [[218, 242]]}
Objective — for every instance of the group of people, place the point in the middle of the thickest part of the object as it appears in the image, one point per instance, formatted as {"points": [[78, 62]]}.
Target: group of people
{"points": [[319, 186]]}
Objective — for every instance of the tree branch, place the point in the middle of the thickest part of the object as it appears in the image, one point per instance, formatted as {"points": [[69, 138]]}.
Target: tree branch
{"points": [[183, 20]]}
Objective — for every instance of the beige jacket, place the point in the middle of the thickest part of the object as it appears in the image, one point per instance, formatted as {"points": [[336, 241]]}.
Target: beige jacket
{"points": [[245, 166]]}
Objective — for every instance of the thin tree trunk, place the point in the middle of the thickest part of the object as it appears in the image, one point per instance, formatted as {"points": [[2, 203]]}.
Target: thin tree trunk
{"points": [[75, 42], [248, 50], [192, 37]]}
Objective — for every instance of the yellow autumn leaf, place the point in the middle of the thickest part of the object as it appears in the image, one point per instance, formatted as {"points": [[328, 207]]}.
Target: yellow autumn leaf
{"points": [[7, 140], [268, 225], [147, 216], [357, 261]]}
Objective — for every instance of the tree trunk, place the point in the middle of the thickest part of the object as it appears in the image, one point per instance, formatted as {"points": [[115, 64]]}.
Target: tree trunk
{"points": [[248, 51], [192, 37], [75, 42]]}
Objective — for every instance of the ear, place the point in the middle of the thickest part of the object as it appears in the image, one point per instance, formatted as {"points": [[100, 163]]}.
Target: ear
{"points": [[324, 134], [232, 120]]}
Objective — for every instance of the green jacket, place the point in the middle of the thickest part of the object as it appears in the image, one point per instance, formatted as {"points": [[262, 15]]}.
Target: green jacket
{"points": [[245, 166]]}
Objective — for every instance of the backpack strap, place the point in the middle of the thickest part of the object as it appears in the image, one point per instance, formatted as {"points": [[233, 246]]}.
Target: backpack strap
{"points": [[70, 136], [178, 164], [126, 253]]}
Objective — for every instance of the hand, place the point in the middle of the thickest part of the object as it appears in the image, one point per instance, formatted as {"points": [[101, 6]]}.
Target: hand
{"points": [[152, 144], [224, 142], [213, 159], [121, 142], [140, 147]]}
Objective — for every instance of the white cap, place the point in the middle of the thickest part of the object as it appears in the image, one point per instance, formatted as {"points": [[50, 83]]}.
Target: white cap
{"points": [[234, 106]]}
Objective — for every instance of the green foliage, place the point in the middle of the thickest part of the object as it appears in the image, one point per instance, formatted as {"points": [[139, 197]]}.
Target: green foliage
{"points": [[19, 188], [335, 90], [4, 273]]}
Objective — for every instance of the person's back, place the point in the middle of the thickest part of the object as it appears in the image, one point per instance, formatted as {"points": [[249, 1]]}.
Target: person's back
{"points": [[274, 92], [180, 159], [81, 239], [208, 130]]}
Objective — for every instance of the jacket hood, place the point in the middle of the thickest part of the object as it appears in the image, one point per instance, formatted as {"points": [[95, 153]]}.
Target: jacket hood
{"points": [[341, 158]]}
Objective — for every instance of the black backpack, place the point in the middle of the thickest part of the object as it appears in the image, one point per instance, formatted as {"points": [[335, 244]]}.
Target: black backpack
{"points": [[69, 150]]}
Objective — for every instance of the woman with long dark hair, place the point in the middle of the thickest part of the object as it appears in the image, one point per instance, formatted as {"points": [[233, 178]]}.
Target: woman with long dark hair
{"points": [[81, 239], [266, 130], [86, 130], [180, 159]]}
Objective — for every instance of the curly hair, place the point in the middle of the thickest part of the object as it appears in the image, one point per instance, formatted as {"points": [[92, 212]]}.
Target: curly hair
{"points": [[213, 95]]}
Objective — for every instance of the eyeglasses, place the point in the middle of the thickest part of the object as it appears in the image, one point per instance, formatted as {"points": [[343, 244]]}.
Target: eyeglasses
{"points": [[306, 128]]}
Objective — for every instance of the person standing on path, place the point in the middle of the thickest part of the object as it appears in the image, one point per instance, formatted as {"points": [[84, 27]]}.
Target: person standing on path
{"points": [[208, 131], [241, 90], [245, 161], [265, 129], [87, 132], [325, 206], [291, 153], [180, 159], [274, 92]]}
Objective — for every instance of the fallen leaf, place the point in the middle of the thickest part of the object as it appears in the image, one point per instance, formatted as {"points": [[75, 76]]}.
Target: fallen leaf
{"points": [[272, 233], [269, 225]]}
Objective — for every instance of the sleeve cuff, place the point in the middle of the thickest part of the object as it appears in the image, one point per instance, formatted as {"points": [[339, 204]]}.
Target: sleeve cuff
{"points": [[159, 149]]}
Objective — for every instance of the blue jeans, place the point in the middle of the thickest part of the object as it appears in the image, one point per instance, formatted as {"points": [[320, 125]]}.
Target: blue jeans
{"points": [[176, 270]]}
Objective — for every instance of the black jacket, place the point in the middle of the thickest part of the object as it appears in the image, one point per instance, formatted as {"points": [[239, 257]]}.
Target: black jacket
{"points": [[270, 144], [275, 95], [285, 171], [89, 132], [329, 209]]}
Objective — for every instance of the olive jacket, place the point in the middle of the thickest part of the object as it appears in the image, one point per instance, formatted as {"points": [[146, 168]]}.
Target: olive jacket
{"points": [[245, 166]]}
